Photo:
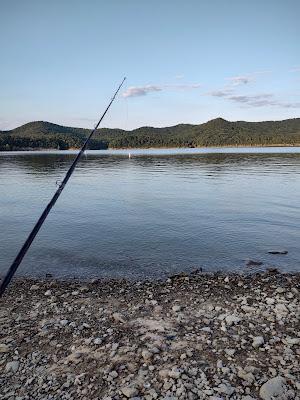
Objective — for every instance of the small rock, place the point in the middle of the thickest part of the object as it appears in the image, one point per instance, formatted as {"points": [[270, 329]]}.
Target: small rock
{"points": [[270, 301], [174, 373], [206, 329], [97, 340], [34, 287], [248, 377], [230, 352], [129, 391], [146, 355], [12, 366], [225, 389], [163, 373], [114, 374], [281, 309], [176, 308], [48, 293], [258, 341], [4, 348], [118, 318], [232, 319], [291, 341]]}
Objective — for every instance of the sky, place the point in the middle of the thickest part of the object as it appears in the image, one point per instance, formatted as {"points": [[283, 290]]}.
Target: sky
{"points": [[185, 61]]}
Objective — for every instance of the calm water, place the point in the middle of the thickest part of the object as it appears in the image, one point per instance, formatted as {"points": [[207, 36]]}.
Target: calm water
{"points": [[158, 212]]}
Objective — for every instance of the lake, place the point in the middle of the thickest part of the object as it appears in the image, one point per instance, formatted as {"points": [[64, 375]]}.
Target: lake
{"points": [[154, 214]]}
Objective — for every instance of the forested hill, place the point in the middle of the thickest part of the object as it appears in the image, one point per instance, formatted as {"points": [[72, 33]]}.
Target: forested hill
{"points": [[217, 132]]}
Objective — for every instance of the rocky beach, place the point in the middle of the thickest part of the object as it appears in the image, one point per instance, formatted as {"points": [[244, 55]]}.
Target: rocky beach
{"points": [[196, 336]]}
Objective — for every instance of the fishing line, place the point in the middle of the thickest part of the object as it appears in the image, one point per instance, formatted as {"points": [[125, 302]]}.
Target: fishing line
{"points": [[14, 266]]}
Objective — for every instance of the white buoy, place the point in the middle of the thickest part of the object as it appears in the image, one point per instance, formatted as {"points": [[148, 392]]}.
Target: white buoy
{"points": [[129, 155]]}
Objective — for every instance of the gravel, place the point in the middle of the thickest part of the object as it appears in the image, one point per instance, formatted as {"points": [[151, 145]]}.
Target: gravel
{"points": [[188, 337]]}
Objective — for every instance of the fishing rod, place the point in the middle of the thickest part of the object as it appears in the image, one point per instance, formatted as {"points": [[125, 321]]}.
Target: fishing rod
{"points": [[14, 266]]}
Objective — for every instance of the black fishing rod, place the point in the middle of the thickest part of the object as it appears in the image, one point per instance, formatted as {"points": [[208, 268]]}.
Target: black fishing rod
{"points": [[14, 266]]}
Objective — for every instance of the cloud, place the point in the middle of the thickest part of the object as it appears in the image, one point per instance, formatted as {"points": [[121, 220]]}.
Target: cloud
{"points": [[220, 93], [241, 80], [136, 91], [249, 99], [256, 100], [262, 100], [295, 69], [184, 86]]}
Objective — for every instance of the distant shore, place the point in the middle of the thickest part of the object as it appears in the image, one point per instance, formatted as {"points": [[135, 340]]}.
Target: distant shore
{"points": [[188, 337], [151, 148]]}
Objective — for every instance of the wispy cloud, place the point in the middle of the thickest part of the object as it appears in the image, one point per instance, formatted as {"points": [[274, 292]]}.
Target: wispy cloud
{"points": [[240, 80], [251, 99], [256, 100], [136, 91], [245, 79], [220, 93], [295, 69], [184, 86], [262, 100]]}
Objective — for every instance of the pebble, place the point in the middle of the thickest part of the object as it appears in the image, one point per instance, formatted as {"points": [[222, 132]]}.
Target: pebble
{"points": [[258, 341], [118, 317], [225, 389], [12, 366], [232, 319], [176, 308], [34, 287], [230, 352], [129, 391], [4, 348]]}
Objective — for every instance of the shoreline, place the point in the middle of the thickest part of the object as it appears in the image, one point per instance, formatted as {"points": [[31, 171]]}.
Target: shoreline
{"points": [[151, 148], [197, 336]]}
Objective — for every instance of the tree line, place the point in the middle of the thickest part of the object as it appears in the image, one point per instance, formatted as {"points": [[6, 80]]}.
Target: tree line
{"points": [[218, 132]]}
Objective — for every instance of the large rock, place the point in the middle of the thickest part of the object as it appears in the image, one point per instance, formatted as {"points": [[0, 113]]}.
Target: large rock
{"points": [[273, 389]]}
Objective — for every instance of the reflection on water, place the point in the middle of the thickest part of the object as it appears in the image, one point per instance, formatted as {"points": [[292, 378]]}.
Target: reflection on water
{"points": [[158, 212]]}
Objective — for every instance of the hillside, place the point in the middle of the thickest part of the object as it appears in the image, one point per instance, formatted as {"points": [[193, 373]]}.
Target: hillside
{"points": [[217, 132]]}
